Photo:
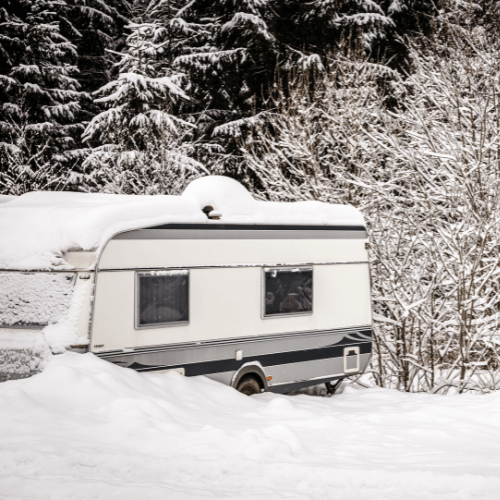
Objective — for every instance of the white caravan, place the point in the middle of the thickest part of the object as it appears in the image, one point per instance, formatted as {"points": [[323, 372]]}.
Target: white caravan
{"points": [[256, 295]]}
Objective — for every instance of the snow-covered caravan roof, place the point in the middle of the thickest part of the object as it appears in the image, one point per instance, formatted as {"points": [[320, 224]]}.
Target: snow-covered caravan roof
{"points": [[38, 228]]}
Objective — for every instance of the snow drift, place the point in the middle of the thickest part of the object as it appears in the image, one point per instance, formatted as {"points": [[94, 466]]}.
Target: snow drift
{"points": [[85, 428]]}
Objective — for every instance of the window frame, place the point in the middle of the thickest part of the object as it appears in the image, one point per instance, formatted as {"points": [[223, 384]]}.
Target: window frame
{"points": [[137, 300], [263, 292]]}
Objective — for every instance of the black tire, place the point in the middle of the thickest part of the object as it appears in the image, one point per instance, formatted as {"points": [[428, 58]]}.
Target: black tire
{"points": [[249, 385]]}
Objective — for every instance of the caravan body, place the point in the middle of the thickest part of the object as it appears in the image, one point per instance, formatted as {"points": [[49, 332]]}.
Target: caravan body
{"points": [[278, 298]]}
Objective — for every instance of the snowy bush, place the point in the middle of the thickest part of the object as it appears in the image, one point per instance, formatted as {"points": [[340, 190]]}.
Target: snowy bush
{"points": [[425, 173]]}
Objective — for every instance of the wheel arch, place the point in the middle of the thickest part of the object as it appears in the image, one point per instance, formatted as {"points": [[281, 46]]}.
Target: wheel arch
{"points": [[250, 369]]}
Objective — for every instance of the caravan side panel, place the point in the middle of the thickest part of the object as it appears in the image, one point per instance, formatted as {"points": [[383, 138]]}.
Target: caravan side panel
{"points": [[227, 328], [154, 254], [227, 303]]}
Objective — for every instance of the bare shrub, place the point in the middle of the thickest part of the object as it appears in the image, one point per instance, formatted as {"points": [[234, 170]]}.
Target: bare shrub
{"points": [[426, 175]]}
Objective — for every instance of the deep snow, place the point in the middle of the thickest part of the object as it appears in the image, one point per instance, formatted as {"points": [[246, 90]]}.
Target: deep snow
{"points": [[85, 428]]}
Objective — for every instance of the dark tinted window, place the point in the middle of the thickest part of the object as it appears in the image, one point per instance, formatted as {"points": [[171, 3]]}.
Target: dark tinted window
{"points": [[163, 298], [288, 291]]}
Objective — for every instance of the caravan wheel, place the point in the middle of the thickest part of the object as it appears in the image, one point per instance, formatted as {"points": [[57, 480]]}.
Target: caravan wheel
{"points": [[248, 385]]}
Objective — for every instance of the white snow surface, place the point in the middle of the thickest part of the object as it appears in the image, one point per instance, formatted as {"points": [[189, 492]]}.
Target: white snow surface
{"points": [[37, 228], [22, 354], [85, 428], [49, 299], [37, 298], [6, 197]]}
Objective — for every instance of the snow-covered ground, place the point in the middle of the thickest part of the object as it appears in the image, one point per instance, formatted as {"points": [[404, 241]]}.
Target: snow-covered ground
{"points": [[86, 429]]}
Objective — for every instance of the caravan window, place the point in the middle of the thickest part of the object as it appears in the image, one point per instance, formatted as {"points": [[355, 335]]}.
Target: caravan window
{"points": [[288, 291], [162, 298]]}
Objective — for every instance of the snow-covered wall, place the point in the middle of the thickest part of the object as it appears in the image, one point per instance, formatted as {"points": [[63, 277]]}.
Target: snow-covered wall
{"points": [[38, 227], [57, 300], [34, 299]]}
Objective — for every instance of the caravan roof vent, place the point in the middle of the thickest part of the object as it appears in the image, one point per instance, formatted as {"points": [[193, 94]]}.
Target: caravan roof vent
{"points": [[206, 210], [211, 213]]}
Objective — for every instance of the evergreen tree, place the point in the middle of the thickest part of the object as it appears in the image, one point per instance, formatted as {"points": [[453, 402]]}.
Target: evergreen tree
{"points": [[231, 57], [138, 141], [321, 26], [236, 54], [412, 19], [95, 26], [39, 96]]}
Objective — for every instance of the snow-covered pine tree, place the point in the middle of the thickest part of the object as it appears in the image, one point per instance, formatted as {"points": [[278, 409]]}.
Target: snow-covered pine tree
{"points": [[230, 58], [95, 25], [179, 34], [238, 53], [411, 18], [316, 29], [39, 97], [139, 144]]}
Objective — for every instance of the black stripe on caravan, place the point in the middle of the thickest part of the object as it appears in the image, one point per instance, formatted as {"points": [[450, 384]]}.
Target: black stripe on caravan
{"points": [[242, 232], [282, 358], [259, 227]]}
